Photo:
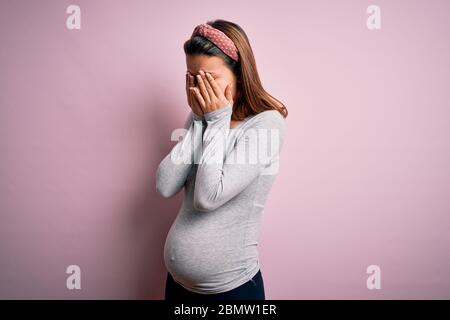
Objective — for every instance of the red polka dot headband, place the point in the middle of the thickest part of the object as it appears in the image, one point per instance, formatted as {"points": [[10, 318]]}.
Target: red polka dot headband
{"points": [[220, 39]]}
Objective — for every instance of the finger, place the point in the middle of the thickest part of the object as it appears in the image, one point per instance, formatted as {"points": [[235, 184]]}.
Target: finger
{"points": [[203, 90], [191, 98], [191, 81], [192, 85], [212, 94], [214, 85], [199, 98], [195, 106], [187, 85]]}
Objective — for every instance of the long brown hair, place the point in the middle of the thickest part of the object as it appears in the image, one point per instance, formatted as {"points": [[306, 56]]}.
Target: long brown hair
{"points": [[251, 98]]}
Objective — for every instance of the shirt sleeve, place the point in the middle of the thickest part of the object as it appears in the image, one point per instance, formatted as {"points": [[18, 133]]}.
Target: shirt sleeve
{"points": [[221, 175], [173, 170]]}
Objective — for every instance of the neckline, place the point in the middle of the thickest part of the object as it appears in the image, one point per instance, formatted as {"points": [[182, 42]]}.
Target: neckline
{"points": [[241, 123]]}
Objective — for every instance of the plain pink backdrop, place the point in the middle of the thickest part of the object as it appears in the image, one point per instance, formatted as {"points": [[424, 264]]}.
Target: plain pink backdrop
{"points": [[86, 116]]}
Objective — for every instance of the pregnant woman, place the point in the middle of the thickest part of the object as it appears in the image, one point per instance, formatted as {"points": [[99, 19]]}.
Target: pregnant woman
{"points": [[226, 162]]}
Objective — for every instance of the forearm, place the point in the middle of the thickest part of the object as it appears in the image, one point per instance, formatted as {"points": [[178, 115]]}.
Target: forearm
{"points": [[175, 167], [209, 179], [223, 174]]}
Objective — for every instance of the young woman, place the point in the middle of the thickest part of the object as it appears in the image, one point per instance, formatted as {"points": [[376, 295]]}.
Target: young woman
{"points": [[211, 249]]}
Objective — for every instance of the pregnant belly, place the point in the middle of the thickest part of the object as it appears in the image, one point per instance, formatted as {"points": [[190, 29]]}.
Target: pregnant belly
{"points": [[195, 256]]}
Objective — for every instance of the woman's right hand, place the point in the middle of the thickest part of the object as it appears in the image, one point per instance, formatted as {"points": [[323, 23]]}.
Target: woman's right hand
{"points": [[192, 100]]}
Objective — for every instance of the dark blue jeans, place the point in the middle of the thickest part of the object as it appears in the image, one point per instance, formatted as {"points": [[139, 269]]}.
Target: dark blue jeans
{"points": [[251, 290]]}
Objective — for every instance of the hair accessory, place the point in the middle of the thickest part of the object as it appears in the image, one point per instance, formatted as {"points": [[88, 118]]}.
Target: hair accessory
{"points": [[220, 39]]}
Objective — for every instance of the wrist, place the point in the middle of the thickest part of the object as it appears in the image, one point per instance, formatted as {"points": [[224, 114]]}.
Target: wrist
{"points": [[218, 113], [197, 117]]}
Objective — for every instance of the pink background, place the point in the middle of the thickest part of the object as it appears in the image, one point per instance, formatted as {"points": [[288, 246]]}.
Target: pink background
{"points": [[86, 116]]}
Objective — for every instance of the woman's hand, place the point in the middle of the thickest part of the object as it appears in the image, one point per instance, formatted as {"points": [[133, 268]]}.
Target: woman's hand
{"points": [[209, 94], [192, 100]]}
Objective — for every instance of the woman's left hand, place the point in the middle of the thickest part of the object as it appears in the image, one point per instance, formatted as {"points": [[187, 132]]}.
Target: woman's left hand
{"points": [[209, 94]]}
